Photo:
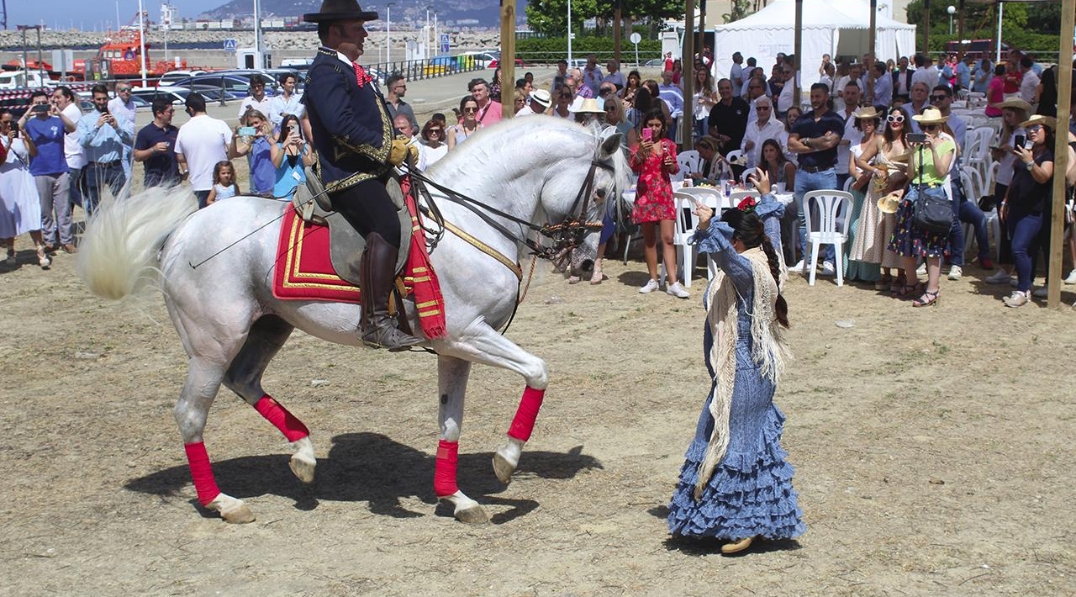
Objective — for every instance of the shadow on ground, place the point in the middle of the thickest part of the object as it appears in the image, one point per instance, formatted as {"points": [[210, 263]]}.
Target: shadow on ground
{"points": [[370, 467]]}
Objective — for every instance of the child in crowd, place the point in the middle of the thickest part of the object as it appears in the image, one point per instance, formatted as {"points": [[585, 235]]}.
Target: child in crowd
{"points": [[224, 184]]}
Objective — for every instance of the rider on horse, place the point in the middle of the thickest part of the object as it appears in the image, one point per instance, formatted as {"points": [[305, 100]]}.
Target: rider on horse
{"points": [[357, 147]]}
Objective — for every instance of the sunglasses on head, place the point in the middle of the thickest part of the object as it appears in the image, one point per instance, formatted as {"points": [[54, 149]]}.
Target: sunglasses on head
{"points": [[895, 118]]}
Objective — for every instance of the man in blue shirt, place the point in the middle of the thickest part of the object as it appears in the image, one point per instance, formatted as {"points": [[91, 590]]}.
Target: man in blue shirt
{"points": [[814, 137], [963, 72], [45, 127], [104, 137], [155, 147]]}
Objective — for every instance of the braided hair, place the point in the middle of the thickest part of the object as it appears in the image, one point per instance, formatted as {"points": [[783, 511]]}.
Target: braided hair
{"points": [[747, 228]]}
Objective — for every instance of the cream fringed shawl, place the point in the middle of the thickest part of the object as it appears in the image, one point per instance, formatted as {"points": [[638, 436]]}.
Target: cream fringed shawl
{"points": [[770, 350]]}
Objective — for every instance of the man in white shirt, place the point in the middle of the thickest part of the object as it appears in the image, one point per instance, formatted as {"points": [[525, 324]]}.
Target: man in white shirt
{"points": [[537, 103], [123, 108], [925, 72], [74, 154], [257, 100], [784, 101], [201, 143], [756, 88], [1030, 83], [766, 126], [852, 136], [736, 74], [288, 102]]}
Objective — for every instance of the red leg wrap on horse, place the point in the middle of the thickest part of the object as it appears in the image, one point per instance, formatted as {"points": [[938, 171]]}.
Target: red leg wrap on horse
{"points": [[523, 424], [201, 472], [291, 427], [444, 473]]}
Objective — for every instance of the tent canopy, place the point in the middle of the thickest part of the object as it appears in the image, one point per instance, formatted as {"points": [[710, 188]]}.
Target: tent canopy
{"points": [[834, 27]]}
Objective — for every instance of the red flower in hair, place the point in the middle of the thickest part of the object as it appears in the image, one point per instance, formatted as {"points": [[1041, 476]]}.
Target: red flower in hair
{"points": [[747, 204]]}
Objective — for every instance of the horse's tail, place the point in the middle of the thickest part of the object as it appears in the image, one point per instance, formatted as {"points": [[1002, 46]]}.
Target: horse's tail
{"points": [[118, 253]]}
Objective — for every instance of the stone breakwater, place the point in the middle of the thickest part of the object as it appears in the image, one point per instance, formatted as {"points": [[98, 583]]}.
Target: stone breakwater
{"points": [[11, 41]]}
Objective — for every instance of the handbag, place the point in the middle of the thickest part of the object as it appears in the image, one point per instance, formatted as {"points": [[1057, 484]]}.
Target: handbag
{"points": [[931, 212]]}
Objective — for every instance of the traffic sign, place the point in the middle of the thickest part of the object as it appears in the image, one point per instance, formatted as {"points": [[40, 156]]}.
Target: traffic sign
{"points": [[636, 38], [230, 45], [444, 43]]}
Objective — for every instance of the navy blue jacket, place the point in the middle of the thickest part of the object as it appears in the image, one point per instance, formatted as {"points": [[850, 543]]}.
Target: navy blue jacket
{"points": [[352, 129]]}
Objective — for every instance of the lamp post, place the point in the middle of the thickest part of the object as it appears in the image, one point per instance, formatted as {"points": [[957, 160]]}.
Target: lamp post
{"points": [[388, 34], [570, 63], [952, 11]]}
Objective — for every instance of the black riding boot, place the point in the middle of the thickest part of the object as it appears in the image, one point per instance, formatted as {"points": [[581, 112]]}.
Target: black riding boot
{"points": [[376, 327]]}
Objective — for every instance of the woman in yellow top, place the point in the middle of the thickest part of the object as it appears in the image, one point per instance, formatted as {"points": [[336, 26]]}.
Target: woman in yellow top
{"points": [[928, 176]]}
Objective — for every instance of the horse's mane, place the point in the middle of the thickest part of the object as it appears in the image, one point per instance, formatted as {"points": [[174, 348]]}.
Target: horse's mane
{"points": [[464, 156]]}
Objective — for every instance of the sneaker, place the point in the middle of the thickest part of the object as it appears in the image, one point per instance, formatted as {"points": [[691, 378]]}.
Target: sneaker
{"points": [[1016, 299], [986, 263], [1039, 292], [801, 267], [827, 269], [922, 269], [677, 290], [956, 272], [650, 286], [1071, 278], [1000, 277]]}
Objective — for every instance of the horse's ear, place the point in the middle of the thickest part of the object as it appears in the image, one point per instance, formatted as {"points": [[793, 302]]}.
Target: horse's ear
{"points": [[610, 145]]}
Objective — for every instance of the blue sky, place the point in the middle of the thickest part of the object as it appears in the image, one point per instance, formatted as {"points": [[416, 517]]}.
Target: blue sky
{"points": [[83, 14]]}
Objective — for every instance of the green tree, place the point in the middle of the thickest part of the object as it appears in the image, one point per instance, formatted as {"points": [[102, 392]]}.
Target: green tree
{"points": [[549, 16], [740, 9]]}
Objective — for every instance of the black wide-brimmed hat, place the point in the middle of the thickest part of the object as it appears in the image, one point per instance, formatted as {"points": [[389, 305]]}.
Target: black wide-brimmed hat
{"points": [[340, 10]]}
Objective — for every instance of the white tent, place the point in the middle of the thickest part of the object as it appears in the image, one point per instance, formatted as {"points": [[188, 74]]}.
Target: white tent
{"points": [[834, 27]]}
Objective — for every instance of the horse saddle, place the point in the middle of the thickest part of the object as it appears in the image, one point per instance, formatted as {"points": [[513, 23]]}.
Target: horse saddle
{"points": [[345, 243]]}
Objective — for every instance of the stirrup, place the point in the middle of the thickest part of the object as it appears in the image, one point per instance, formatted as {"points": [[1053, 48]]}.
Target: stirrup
{"points": [[388, 337]]}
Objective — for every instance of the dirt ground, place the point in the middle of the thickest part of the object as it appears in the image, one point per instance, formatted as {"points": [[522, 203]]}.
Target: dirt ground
{"points": [[930, 447]]}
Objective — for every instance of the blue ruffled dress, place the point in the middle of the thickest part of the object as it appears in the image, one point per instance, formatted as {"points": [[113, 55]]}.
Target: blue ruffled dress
{"points": [[750, 493]]}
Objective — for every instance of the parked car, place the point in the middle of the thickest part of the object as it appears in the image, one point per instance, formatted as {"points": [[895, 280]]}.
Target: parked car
{"points": [[440, 65], [235, 84], [655, 63], [169, 78], [178, 95], [497, 62], [482, 59]]}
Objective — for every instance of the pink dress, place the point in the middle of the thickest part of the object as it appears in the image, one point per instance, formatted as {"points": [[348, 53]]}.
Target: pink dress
{"points": [[654, 194], [995, 94]]}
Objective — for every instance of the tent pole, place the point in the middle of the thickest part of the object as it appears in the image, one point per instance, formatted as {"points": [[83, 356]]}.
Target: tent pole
{"points": [[1061, 153], [872, 43], [1001, 15], [960, 31], [799, 53], [926, 27], [687, 119]]}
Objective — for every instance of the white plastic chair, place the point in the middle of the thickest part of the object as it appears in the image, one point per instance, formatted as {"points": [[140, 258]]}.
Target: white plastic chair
{"points": [[832, 229], [688, 162], [686, 222], [848, 184], [973, 187], [735, 155]]}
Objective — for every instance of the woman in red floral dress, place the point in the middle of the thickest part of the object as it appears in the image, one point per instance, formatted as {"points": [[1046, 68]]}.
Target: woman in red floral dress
{"points": [[654, 158]]}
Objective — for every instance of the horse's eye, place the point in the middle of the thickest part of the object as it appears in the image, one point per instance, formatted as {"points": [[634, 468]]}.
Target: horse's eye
{"points": [[601, 193]]}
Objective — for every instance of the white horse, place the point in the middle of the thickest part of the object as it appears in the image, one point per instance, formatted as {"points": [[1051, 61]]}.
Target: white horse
{"points": [[231, 325]]}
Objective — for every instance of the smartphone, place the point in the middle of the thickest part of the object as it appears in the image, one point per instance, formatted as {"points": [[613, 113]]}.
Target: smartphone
{"points": [[1018, 141], [247, 131], [1029, 144], [917, 137], [40, 108], [648, 134]]}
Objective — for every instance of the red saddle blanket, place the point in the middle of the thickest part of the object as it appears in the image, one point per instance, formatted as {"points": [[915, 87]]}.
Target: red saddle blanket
{"points": [[304, 270]]}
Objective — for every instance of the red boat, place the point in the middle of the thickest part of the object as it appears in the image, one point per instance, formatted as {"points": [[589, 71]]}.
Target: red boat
{"points": [[121, 58]]}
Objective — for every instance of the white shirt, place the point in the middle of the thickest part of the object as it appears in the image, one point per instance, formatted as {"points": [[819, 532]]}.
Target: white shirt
{"points": [[1028, 86], [1007, 161], [122, 110], [203, 142], [278, 107], [250, 102], [925, 75], [433, 154], [852, 136], [73, 151], [773, 129], [784, 101]]}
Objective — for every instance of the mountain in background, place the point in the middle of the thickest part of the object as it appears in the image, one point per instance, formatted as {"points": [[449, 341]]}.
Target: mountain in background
{"points": [[451, 13]]}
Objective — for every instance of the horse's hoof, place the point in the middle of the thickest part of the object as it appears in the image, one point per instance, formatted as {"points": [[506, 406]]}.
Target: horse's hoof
{"points": [[473, 515], [502, 468], [302, 468], [240, 515]]}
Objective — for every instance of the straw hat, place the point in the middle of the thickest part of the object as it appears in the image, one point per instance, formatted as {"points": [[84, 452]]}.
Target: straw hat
{"points": [[587, 106], [889, 203], [867, 113], [930, 116], [1047, 121], [1015, 103], [542, 98], [577, 103]]}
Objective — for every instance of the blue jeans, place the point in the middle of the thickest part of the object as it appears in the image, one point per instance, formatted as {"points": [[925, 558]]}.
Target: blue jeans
{"points": [[1024, 230], [203, 198], [97, 177], [806, 182], [967, 212]]}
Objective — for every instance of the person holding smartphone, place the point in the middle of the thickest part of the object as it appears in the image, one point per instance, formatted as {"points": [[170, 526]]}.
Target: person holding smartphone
{"points": [[290, 156], [1013, 111], [252, 140], [654, 159], [1026, 207], [44, 129], [105, 139]]}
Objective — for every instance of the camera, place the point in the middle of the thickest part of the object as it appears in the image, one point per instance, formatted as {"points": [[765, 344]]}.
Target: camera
{"points": [[917, 137], [1019, 141], [40, 108]]}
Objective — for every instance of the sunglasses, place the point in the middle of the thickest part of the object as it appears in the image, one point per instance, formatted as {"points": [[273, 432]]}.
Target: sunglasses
{"points": [[605, 92], [1034, 128], [895, 118], [610, 108], [470, 110], [929, 127], [762, 108], [939, 98]]}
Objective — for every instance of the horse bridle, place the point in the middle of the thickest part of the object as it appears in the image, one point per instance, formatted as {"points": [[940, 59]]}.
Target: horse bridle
{"points": [[568, 234]]}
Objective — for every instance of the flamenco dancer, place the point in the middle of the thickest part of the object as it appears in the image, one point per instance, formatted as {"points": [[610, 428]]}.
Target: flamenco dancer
{"points": [[735, 484]]}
